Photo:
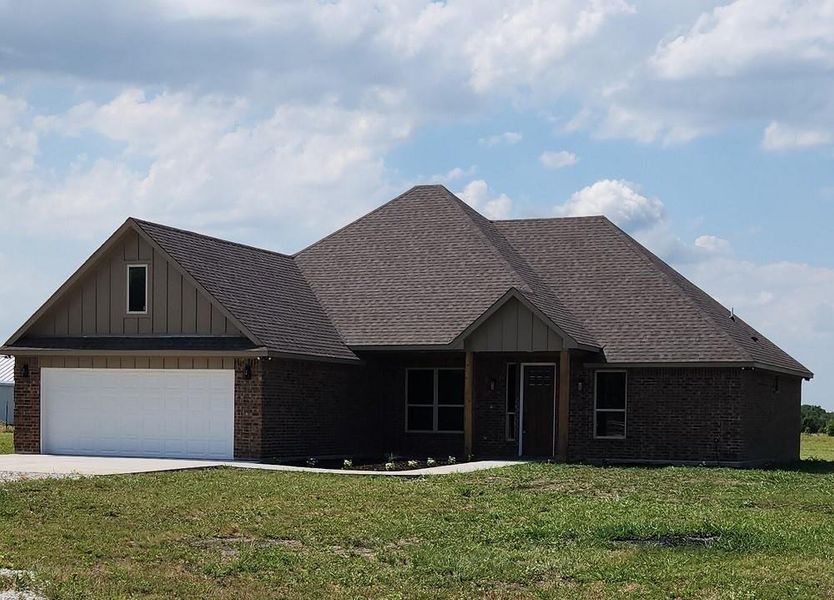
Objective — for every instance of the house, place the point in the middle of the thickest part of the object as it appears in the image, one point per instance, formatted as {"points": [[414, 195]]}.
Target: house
{"points": [[422, 328], [6, 390]]}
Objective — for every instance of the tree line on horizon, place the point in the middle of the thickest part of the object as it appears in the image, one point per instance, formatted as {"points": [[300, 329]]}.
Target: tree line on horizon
{"points": [[815, 419]]}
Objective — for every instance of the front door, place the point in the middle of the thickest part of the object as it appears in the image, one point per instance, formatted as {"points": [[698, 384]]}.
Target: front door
{"points": [[538, 399]]}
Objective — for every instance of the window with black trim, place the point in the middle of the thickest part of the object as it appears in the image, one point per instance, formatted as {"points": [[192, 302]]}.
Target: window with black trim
{"points": [[512, 401], [610, 405], [434, 400], [137, 289]]}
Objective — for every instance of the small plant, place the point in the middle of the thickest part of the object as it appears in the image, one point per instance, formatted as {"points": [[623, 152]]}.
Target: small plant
{"points": [[470, 457], [347, 464], [430, 462], [412, 464], [389, 456], [451, 460], [312, 462], [390, 466]]}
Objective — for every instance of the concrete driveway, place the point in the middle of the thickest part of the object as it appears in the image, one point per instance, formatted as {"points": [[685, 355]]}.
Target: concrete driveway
{"points": [[18, 466]]}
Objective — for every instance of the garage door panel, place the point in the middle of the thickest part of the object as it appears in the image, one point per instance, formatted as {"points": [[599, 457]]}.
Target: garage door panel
{"points": [[143, 412]]}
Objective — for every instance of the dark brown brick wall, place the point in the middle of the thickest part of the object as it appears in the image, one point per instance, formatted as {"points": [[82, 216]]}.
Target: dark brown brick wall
{"points": [[318, 409], [691, 414], [770, 406], [248, 409], [291, 408], [27, 406], [489, 406], [387, 387]]}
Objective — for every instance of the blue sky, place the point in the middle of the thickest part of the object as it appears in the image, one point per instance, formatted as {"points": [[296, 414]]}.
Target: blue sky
{"points": [[705, 129]]}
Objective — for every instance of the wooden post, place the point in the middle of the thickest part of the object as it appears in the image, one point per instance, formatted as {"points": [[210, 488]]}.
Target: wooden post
{"points": [[468, 391], [564, 403]]}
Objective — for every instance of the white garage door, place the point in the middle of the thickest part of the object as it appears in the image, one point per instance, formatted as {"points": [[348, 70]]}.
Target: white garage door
{"points": [[126, 412]]}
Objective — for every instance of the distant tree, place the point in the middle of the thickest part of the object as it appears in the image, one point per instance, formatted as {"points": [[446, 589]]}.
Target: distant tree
{"points": [[829, 428], [814, 418]]}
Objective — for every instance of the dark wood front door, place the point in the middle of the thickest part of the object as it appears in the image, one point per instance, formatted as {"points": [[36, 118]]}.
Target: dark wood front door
{"points": [[539, 399]]}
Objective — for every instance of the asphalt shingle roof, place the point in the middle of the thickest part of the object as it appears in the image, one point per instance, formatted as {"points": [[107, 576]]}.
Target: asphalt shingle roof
{"points": [[638, 307], [263, 290], [419, 270]]}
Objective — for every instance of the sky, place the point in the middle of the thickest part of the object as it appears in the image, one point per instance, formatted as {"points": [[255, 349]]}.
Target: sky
{"points": [[705, 129]]}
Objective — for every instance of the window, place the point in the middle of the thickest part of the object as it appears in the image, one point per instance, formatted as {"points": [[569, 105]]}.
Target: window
{"points": [[610, 405], [434, 400], [137, 289], [512, 401]]}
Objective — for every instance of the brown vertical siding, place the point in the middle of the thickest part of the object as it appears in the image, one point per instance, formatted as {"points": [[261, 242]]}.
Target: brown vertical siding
{"points": [[97, 303]]}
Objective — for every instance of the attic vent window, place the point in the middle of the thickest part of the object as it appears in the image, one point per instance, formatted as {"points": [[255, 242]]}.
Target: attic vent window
{"points": [[137, 289]]}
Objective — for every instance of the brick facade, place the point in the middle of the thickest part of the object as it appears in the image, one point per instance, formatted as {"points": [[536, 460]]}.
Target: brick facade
{"points": [[295, 409], [27, 406], [249, 386], [713, 415], [317, 409]]}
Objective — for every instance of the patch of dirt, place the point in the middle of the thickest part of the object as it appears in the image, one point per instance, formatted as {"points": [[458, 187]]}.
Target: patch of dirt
{"points": [[229, 546], [10, 476], [12, 578], [696, 540], [373, 464]]}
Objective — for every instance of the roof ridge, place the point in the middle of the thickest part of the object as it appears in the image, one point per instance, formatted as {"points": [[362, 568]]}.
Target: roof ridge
{"points": [[141, 222], [570, 218], [532, 280], [663, 268], [359, 218], [464, 208]]}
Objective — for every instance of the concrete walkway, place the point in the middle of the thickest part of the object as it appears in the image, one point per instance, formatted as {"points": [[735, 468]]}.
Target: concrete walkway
{"points": [[41, 465]]}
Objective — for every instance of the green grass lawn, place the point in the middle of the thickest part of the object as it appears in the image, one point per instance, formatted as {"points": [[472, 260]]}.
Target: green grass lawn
{"points": [[527, 531], [817, 446], [543, 531], [6, 446]]}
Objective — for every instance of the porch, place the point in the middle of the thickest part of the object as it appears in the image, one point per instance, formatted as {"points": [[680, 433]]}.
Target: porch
{"points": [[486, 404]]}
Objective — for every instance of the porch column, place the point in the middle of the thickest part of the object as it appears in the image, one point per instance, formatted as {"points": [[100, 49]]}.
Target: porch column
{"points": [[468, 391], [564, 403]]}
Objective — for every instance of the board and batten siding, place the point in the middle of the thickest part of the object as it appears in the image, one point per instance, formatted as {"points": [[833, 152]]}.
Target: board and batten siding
{"points": [[97, 304], [514, 328], [137, 362]]}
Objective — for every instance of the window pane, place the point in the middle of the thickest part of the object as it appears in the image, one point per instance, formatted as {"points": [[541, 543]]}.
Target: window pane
{"points": [[450, 418], [611, 390], [512, 387], [611, 424], [511, 426], [136, 289], [421, 386], [450, 386], [420, 418]]}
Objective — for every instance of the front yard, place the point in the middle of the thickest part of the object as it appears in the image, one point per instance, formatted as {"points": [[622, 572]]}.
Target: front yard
{"points": [[560, 531]]}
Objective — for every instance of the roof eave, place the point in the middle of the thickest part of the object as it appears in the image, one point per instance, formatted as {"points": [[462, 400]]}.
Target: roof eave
{"points": [[803, 373]]}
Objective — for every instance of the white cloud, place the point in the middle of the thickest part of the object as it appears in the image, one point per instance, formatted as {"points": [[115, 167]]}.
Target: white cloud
{"points": [[712, 244], [207, 162], [478, 195], [454, 175], [619, 200], [747, 35], [778, 136], [508, 138], [558, 160], [529, 40]]}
